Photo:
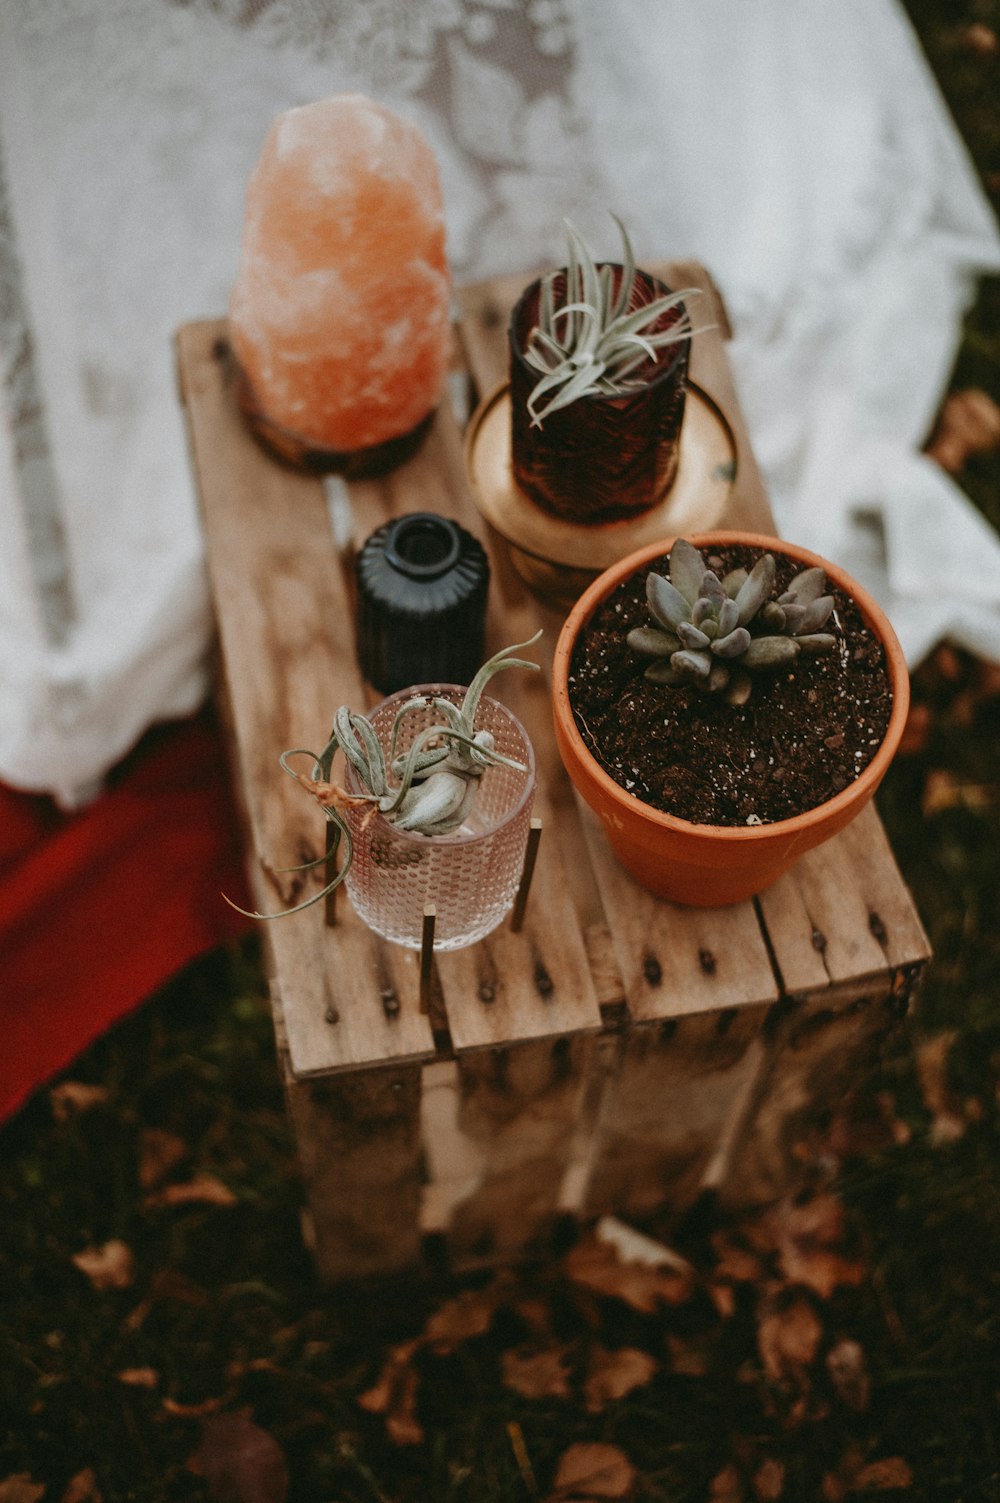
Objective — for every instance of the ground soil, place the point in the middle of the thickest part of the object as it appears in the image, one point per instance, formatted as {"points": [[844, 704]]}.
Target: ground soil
{"points": [[806, 732]]}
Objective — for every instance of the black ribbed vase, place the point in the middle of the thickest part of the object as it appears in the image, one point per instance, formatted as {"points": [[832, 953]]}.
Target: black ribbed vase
{"points": [[421, 603]]}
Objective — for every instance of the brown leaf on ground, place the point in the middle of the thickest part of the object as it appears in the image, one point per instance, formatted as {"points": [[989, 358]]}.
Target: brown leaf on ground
{"points": [[240, 1462], [970, 420], [932, 1053], [883, 1476], [74, 1096], [109, 1266], [647, 1276], [457, 1320], [204, 1189], [808, 1237], [159, 1152], [139, 1377], [691, 1356], [854, 1475], [19, 1488], [866, 1125], [83, 1488], [613, 1374], [942, 791], [537, 1374], [394, 1395], [735, 1263], [788, 1337], [727, 1486], [845, 1362], [592, 1470], [916, 731], [769, 1481], [167, 1283], [179, 1410]]}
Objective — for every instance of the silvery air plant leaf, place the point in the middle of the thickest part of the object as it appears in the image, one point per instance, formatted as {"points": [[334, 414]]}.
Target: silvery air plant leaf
{"points": [[716, 633], [595, 340], [429, 789]]}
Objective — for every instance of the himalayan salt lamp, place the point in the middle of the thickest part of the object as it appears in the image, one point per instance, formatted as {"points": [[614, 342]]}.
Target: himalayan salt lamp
{"points": [[339, 319]]}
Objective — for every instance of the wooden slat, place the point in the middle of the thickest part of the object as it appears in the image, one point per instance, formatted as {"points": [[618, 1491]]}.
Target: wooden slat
{"points": [[843, 912], [505, 1122], [288, 661], [675, 1099]]}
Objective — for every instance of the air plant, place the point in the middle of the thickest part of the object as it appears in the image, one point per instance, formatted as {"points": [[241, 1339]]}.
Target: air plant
{"points": [[595, 339], [429, 789], [716, 633]]}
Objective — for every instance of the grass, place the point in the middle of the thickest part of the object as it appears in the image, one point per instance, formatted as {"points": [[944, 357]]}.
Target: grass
{"points": [[111, 1392]]}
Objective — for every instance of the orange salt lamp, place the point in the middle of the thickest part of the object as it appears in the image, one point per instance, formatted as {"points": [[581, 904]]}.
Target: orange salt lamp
{"points": [[339, 319]]}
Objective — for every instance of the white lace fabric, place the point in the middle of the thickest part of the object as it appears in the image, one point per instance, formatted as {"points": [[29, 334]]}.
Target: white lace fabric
{"points": [[804, 155]]}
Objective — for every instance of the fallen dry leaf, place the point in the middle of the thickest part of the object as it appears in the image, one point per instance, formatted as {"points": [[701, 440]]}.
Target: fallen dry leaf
{"points": [[769, 1481], [198, 1410], [159, 1152], [592, 1470], [19, 1488], [932, 1054], [883, 1476], [240, 1462], [394, 1395], [727, 1486], [916, 731], [613, 1374], [735, 1262], [808, 1237], [139, 1377], [691, 1356], [110, 1266], [632, 1268], [970, 419], [788, 1337], [83, 1488], [845, 1362], [73, 1096], [457, 1320], [204, 1189], [854, 1475], [942, 790], [537, 1374]]}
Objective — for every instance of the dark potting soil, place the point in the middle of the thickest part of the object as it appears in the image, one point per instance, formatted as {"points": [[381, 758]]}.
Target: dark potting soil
{"points": [[805, 733]]}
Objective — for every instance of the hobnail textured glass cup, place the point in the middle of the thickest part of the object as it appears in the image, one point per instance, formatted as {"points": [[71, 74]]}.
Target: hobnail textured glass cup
{"points": [[470, 876]]}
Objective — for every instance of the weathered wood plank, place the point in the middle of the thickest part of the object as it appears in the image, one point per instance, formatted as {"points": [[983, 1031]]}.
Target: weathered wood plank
{"points": [[287, 660], [499, 1131], [843, 912], [672, 1103]]}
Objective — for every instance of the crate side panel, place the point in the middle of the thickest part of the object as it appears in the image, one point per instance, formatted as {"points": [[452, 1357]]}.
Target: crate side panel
{"points": [[670, 1110]]}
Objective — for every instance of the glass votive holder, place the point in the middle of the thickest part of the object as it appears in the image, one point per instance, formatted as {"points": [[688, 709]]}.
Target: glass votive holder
{"points": [[472, 875]]}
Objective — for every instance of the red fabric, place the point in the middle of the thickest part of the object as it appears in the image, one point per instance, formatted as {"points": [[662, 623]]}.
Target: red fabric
{"points": [[100, 907]]}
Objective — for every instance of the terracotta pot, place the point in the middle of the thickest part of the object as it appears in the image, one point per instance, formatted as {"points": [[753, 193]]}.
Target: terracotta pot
{"points": [[709, 866]]}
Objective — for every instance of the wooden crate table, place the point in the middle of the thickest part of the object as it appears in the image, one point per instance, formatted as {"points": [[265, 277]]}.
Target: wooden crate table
{"points": [[617, 1055]]}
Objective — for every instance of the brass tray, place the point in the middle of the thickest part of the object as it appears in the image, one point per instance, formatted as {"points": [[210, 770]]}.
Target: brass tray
{"points": [[558, 559]]}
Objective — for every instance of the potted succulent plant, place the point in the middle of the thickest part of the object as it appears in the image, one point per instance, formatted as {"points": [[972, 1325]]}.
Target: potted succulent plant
{"points": [[598, 377], [435, 807], [725, 704]]}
